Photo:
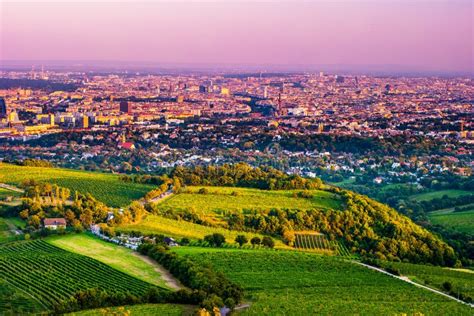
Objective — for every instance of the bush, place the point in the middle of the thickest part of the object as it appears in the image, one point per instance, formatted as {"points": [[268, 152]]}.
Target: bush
{"points": [[241, 240], [255, 241], [215, 239], [268, 242]]}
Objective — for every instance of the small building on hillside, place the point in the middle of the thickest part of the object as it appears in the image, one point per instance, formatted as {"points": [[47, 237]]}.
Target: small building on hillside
{"points": [[54, 223]]}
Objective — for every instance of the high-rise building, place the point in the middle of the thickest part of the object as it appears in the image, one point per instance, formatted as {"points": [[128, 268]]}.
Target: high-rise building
{"points": [[3, 108], [339, 79], [84, 121], [265, 92], [125, 107]]}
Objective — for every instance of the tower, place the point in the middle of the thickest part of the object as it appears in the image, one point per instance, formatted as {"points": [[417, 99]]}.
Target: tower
{"points": [[125, 107], [3, 108]]}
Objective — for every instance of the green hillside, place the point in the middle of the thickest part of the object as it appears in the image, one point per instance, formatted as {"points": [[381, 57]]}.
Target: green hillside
{"points": [[106, 187], [295, 283], [461, 221]]}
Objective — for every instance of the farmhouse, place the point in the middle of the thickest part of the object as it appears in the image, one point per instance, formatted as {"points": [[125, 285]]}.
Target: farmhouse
{"points": [[54, 223]]}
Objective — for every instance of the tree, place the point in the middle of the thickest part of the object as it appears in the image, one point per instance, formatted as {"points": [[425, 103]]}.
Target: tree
{"points": [[268, 242], [35, 221], [241, 240], [215, 239], [255, 241]]}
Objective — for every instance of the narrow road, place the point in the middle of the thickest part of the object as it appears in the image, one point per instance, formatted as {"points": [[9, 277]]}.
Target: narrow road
{"points": [[158, 198], [405, 279]]}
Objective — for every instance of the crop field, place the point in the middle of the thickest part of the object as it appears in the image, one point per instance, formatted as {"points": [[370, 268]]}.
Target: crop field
{"points": [[313, 241], [461, 221], [118, 257], [138, 310], [103, 186], [178, 228], [49, 274], [432, 276], [439, 194], [16, 302], [300, 283], [237, 199]]}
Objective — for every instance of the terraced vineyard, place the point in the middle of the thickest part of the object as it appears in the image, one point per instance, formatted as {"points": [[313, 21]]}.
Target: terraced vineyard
{"points": [[312, 241], [301, 283], [103, 186], [49, 274]]}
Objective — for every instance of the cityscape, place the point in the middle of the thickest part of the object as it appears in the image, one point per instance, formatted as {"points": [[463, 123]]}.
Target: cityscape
{"points": [[236, 158]]}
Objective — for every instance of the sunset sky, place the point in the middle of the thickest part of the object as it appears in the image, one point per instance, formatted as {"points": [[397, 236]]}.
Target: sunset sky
{"points": [[417, 35]]}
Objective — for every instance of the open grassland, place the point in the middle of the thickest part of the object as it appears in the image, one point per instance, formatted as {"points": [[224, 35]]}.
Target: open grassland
{"points": [[103, 186], [138, 310], [179, 228], [118, 257], [439, 194], [50, 275], [432, 276], [461, 221], [297, 283], [237, 199]]}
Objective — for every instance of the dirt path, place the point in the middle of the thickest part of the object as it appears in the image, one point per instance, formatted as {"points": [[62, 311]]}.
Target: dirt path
{"points": [[166, 276], [405, 279], [157, 199], [11, 188]]}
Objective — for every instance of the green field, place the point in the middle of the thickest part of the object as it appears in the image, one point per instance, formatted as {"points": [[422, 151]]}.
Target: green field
{"points": [[103, 186], [8, 227], [138, 310], [298, 283], [48, 274], [118, 257], [238, 199], [439, 194], [4, 193], [433, 276], [179, 228], [461, 221]]}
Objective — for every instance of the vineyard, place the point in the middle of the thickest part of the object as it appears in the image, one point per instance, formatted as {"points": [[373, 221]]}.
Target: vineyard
{"points": [[238, 199], [311, 241], [107, 188], [179, 228], [50, 275], [301, 283], [138, 310]]}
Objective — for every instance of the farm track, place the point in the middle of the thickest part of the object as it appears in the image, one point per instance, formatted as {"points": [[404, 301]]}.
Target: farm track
{"points": [[405, 279], [166, 276], [11, 188]]}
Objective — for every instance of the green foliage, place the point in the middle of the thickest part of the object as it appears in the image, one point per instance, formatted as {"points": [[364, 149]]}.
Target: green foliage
{"points": [[241, 240], [216, 239], [460, 221], [298, 283], [140, 309], [268, 242], [243, 175]]}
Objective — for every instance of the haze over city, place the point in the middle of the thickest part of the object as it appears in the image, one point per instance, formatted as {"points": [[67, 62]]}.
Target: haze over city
{"points": [[387, 36]]}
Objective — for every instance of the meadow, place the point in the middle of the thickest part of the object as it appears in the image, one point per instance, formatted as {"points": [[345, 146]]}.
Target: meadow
{"points": [[220, 199], [298, 283], [6, 193], [461, 221], [153, 224], [49, 274], [7, 227], [138, 310], [118, 257], [105, 187], [439, 194]]}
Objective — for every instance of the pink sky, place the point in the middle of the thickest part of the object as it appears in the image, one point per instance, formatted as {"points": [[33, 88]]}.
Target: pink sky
{"points": [[419, 34]]}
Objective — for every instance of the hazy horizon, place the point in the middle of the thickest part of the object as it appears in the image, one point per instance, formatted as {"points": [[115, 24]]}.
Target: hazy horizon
{"points": [[353, 36]]}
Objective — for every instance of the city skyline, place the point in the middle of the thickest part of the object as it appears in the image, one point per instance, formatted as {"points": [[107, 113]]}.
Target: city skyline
{"points": [[346, 35]]}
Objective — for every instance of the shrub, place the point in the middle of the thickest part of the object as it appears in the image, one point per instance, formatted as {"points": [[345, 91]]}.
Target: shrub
{"points": [[268, 242]]}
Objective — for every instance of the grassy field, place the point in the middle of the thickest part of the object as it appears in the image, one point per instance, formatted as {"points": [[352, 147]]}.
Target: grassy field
{"points": [[7, 228], [237, 199], [49, 274], [103, 186], [439, 194], [4, 193], [160, 225], [435, 276], [296, 283], [118, 257], [461, 221], [138, 310]]}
